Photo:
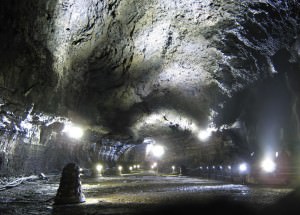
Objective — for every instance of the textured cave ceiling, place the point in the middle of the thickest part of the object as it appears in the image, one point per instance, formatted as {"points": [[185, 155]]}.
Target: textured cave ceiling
{"points": [[149, 68]]}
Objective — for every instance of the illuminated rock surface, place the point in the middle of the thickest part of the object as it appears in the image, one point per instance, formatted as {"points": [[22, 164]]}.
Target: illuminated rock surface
{"points": [[179, 72]]}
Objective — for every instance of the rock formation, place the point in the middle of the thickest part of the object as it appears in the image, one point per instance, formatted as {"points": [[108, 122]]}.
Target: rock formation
{"points": [[131, 69], [69, 191]]}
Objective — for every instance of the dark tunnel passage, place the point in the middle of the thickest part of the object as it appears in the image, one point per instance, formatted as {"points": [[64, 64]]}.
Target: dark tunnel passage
{"points": [[155, 106]]}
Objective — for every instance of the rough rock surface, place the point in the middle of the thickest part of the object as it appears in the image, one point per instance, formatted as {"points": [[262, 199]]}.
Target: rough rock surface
{"points": [[69, 191], [150, 68]]}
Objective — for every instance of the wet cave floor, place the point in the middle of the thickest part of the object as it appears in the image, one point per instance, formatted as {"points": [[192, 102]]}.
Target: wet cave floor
{"points": [[143, 194]]}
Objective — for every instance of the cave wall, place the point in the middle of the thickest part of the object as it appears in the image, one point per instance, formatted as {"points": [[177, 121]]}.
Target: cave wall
{"points": [[143, 69]]}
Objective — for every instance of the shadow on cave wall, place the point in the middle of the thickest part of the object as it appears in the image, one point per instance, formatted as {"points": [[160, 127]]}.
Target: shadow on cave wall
{"points": [[26, 78], [269, 108], [25, 63]]}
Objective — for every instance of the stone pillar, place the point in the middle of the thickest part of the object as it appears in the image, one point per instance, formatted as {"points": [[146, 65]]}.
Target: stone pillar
{"points": [[69, 191]]}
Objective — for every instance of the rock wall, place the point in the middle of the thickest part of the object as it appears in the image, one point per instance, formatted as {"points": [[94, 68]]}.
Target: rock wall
{"points": [[146, 68]]}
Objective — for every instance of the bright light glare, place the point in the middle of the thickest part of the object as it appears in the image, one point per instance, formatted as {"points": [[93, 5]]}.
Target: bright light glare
{"points": [[243, 167], [158, 150], [73, 131], [173, 167], [268, 165], [130, 168], [99, 167], [120, 168], [204, 134]]}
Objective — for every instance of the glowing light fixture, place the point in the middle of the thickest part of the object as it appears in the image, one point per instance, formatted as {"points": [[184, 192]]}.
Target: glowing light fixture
{"points": [[130, 168], [173, 169], [73, 131], [268, 165], [204, 135], [154, 165], [99, 168], [120, 168], [243, 167], [158, 150]]}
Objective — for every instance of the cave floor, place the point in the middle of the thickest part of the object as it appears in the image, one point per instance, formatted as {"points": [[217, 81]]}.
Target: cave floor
{"points": [[137, 193]]}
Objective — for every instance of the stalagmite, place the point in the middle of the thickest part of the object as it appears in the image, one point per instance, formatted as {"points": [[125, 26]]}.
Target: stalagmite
{"points": [[69, 191]]}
